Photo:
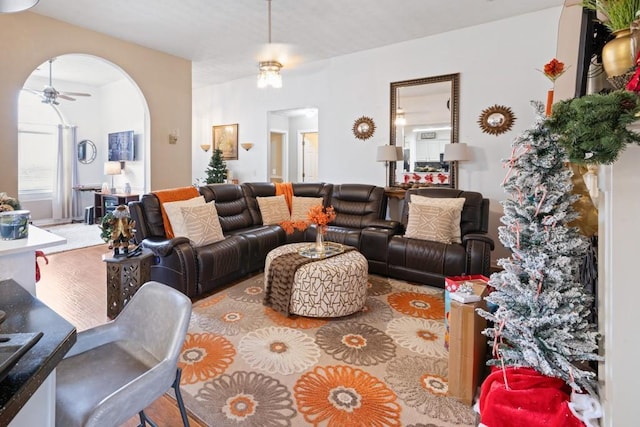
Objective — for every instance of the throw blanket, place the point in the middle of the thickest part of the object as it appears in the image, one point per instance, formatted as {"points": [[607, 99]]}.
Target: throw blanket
{"points": [[285, 188], [280, 279], [173, 195]]}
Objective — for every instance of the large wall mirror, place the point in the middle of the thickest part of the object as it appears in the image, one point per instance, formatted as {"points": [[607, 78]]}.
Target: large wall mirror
{"points": [[424, 118]]}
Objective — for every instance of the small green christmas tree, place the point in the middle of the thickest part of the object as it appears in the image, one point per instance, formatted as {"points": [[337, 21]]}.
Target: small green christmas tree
{"points": [[542, 317], [217, 170]]}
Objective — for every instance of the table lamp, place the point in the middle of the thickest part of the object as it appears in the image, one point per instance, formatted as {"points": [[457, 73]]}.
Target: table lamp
{"points": [[386, 154], [112, 168], [454, 153]]}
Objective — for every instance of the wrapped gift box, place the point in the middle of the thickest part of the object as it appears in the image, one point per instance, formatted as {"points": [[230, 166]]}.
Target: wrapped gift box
{"points": [[467, 345]]}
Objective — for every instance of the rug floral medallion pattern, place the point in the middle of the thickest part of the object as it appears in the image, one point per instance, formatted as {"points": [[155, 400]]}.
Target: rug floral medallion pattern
{"points": [[247, 365]]}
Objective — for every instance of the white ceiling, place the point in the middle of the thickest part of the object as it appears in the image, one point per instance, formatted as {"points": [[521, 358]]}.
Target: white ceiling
{"points": [[224, 38]]}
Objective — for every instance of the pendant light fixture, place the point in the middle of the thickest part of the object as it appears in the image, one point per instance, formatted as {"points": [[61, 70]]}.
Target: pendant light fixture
{"points": [[269, 70], [11, 6]]}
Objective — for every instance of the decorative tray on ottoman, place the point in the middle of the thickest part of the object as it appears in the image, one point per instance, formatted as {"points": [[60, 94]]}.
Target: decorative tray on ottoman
{"points": [[330, 249]]}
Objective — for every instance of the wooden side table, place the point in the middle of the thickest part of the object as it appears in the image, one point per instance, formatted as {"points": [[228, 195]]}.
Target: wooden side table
{"points": [[107, 202], [124, 278]]}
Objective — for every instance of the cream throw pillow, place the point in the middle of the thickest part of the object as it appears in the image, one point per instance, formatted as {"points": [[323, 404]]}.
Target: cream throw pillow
{"points": [[455, 203], [203, 224], [273, 209], [428, 222], [175, 214], [300, 207]]}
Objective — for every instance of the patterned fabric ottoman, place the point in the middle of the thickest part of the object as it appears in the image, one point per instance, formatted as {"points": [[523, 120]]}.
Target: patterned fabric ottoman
{"points": [[330, 287]]}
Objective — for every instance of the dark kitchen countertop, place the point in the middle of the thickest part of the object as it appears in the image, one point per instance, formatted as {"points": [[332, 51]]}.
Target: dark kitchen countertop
{"points": [[26, 313]]}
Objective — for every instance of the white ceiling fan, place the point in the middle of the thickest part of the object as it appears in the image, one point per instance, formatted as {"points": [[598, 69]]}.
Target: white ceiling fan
{"points": [[50, 94]]}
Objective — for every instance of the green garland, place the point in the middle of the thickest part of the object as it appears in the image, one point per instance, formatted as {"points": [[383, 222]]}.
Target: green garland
{"points": [[593, 128], [106, 227]]}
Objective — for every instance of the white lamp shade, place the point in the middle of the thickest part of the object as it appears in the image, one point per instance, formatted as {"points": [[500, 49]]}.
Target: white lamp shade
{"points": [[456, 152], [388, 153], [112, 168], [11, 6]]}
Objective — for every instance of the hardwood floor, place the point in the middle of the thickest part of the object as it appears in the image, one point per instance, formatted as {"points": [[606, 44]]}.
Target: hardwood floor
{"points": [[74, 285]]}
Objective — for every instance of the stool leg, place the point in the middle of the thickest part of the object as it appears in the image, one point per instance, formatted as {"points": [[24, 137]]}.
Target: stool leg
{"points": [[144, 420], [176, 388]]}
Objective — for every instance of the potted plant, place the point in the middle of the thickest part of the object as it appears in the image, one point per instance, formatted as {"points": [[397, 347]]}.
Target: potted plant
{"points": [[619, 54]]}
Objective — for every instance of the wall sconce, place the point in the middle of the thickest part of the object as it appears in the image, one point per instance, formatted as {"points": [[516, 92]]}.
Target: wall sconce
{"points": [[173, 136], [247, 145], [205, 147]]}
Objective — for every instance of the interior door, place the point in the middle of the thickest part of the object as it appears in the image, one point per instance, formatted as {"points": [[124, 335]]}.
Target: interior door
{"points": [[277, 157], [309, 170]]}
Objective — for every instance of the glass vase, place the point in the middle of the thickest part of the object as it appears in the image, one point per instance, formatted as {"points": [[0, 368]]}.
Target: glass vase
{"points": [[319, 241]]}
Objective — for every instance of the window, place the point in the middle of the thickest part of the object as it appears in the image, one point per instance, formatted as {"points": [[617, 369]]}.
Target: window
{"points": [[37, 154]]}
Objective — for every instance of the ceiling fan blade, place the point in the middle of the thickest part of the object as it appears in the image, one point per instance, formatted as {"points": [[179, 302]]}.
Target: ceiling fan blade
{"points": [[75, 93], [37, 92], [68, 98], [280, 52]]}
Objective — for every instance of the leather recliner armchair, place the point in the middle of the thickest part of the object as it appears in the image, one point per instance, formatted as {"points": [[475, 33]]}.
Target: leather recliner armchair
{"points": [[429, 262]]}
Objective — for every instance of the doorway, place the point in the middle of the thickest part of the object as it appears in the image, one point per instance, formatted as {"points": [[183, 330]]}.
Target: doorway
{"points": [[287, 129], [104, 99], [278, 159]]}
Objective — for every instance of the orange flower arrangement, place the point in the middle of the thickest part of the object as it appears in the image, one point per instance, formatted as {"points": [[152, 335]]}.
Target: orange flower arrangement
{"points": [[321, 217], [554, 69], [318, 215]]}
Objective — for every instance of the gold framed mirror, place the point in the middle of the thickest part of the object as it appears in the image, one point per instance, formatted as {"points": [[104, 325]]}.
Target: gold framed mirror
{"points": [[424, 117], [496, 119], [364, 127]]}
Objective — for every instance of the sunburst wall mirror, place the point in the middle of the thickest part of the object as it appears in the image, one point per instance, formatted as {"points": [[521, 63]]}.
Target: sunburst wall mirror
{"points": [[496, 119], [364, 127]]}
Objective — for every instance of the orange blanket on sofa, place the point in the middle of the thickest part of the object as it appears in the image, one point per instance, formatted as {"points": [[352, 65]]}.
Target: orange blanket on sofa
{"points": [[287, 189], [173, 195]]}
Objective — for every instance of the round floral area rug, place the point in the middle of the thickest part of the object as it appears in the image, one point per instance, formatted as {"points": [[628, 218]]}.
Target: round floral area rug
{"points": [[247, 365]]}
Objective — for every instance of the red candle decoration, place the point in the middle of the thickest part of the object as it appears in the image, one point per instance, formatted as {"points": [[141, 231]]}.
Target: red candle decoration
{"points": [[552, 70]]}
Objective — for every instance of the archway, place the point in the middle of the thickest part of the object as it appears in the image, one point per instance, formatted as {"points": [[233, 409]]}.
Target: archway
{"points": [[58, 190]]}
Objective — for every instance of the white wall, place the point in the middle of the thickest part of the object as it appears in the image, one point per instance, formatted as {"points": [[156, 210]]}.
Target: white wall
{"points": [[122, 109], [498, 64]]}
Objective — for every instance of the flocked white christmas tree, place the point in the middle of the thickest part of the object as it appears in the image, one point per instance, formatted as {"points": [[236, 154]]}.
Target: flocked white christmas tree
{"points": [[542, 317]]}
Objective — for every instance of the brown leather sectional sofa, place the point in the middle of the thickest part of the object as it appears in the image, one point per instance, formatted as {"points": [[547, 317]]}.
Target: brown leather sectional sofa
{"points": [[360, 222]]}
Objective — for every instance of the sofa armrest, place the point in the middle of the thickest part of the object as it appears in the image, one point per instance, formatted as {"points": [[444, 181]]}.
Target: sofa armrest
{"points": [[374, 242], [481, 237], [163, 247], [175, 263], [478, 249], [387, 224]]}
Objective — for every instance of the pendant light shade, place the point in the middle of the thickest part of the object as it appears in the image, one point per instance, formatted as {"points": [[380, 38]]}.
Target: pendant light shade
{"points": [[270, 74], [12, 6], [269, 70]]}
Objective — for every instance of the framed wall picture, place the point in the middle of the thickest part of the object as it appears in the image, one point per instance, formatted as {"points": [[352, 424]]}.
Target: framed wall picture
{"points": [[427, 135], [225, 137]]}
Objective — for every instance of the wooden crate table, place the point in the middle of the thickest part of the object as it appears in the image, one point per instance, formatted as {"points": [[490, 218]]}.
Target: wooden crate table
{"points": [[125, 275], [467, 345]]}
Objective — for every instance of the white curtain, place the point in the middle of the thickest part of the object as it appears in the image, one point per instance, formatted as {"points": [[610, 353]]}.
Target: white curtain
{"points": [[64, 196]]}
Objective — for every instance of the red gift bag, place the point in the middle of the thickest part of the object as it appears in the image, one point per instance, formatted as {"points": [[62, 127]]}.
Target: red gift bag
{"points": [[531, 400]]}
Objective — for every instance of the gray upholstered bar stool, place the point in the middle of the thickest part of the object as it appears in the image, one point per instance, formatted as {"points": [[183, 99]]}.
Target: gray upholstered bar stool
{"points": [[116, 370]]}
